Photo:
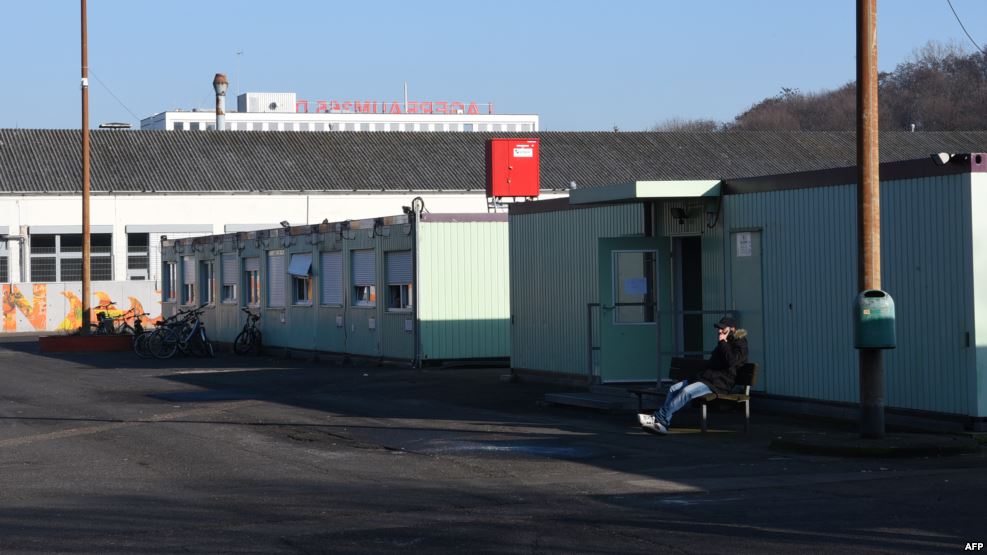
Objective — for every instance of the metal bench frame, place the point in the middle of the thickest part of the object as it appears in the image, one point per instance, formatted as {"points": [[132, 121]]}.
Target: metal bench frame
{"points": [[682, 368]]}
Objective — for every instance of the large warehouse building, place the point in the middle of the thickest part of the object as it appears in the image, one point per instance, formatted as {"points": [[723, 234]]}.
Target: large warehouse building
{"points": [[285, 112]]}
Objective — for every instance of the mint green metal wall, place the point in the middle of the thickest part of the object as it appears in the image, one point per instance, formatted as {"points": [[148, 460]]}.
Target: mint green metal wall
{"points": [[809, 282], [464, 301], [553, 276], [978, 209]]}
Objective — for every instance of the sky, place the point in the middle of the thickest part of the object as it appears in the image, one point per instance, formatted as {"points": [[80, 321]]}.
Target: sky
{"points": [[580, 65]]}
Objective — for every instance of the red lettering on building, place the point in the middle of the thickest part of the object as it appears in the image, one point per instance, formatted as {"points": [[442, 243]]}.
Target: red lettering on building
{"points": [[390, 107]]}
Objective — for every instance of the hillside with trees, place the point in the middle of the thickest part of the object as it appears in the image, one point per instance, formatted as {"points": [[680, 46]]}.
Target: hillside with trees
{"points": [[941, 88]]}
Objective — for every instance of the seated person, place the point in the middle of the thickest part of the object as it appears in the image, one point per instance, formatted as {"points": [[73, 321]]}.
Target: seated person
{"points": [[719, 376]]}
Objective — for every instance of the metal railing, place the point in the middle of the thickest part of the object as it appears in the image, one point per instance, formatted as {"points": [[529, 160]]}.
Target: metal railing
{"points": [[591, 348]]}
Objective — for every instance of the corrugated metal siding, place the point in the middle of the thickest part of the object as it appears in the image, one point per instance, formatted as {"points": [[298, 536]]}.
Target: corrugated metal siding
{"points": [[809, 282], [977, 384], [553, 276], [464, 306]]}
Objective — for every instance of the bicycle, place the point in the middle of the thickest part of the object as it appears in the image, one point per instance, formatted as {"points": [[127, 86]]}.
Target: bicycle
{"points": [[250, 337], [187, 334]]}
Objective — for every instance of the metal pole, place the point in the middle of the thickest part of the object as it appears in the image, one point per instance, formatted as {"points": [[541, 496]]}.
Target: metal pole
{"points": [[869, 211], [86, 309]]}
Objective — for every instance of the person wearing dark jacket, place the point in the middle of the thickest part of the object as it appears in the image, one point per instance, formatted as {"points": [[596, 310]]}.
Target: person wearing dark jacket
{"points": [[718, 376]]}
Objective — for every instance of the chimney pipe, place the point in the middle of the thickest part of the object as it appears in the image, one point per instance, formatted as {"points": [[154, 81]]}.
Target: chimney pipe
{"points": [[220, 84]]}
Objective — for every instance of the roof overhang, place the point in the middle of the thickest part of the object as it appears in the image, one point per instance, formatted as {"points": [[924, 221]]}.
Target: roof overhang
{"points": [[645, 190]]}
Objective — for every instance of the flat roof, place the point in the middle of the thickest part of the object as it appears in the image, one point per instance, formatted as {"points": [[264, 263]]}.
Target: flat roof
{"points": [[644, 190]]}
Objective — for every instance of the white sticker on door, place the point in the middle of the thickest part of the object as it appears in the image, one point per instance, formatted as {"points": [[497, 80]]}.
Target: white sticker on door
{"points": [[744, 246]]}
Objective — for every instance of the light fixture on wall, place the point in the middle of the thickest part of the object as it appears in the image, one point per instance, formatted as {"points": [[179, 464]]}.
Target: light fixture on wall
{"points": [[713, 212]]}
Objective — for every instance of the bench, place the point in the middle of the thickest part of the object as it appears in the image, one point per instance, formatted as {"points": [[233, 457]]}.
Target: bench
{"points": [[687, 368]]}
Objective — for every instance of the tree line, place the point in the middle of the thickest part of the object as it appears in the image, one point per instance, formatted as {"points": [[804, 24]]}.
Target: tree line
{"points": [[941, 88]]}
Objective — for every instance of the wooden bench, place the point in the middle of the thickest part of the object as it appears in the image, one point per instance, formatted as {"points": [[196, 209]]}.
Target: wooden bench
{"points": [[686, 369]]}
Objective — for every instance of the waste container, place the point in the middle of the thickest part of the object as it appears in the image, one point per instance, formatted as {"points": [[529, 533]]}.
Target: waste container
{"points": [[874, 321]]}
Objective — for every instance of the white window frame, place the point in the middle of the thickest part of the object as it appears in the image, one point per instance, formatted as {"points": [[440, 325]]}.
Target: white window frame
{"points": [[207, 274], [251, 281], [228, 293], [274, 278], [364, 294], [331, 282], [399, 280]]}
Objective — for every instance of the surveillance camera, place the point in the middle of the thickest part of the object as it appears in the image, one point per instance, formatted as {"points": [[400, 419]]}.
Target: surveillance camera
{"points": [[941, 158], [284, 223]]}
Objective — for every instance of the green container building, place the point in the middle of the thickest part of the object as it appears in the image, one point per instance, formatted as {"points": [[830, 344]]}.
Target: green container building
{"points": [[608, 285], [416, 288]]}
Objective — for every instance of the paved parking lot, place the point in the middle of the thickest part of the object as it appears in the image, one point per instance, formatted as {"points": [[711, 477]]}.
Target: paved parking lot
{"points": [[111, 454]]}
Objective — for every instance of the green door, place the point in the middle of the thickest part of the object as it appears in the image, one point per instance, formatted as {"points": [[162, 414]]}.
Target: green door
{"points": [[632, 295]]}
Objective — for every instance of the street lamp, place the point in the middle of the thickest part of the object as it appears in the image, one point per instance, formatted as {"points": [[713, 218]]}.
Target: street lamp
{"points": [[220, 84]]}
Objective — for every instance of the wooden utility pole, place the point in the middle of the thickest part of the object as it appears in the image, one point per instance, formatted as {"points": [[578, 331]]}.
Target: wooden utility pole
{"points": [[869, 211], [86, 295]]}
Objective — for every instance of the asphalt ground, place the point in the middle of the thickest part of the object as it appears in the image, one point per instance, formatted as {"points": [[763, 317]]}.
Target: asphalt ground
{"points": [[107, 453]]}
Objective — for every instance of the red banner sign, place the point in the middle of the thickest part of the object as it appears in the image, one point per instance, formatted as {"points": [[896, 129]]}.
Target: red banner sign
{"points": [[385, 107]]}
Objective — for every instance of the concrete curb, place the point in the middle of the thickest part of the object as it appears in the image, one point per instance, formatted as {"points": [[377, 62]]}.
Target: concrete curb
{"points": [[850, 444]]}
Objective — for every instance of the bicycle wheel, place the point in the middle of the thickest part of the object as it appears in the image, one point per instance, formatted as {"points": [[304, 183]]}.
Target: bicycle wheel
{"points": [[141, 345], [244, 342], [163, 343]]}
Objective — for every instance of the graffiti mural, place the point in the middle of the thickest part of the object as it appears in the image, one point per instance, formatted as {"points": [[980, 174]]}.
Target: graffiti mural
{"points": [[58, 306]]}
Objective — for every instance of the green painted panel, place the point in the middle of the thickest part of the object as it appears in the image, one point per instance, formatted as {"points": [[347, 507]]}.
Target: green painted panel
{"points": [[810, 280], [464, 301], [553, 278]]}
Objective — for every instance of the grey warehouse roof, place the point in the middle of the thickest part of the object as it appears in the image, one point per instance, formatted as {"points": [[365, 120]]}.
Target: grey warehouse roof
{"points": [[33, 160]]}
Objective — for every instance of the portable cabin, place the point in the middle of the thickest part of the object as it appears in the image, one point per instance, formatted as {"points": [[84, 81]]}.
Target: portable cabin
{"points": [[418, 287], [610, 283]]}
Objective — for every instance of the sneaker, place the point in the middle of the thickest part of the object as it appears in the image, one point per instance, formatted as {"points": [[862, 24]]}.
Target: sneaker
{"points": [[652, 424]]}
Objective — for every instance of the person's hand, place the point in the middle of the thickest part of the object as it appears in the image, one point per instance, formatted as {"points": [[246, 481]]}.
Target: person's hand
{"points": [[724, 333]]}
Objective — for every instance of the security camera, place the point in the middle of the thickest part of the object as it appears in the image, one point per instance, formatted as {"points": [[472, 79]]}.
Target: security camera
{"points": [[285, 224], [941, 158]]}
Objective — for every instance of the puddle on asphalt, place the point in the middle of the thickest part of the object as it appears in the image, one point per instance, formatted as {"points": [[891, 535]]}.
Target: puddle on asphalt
{"points": [[506, 448]]}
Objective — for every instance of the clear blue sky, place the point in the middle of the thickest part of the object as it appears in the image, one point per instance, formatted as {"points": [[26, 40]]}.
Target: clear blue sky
{"points": [[580, 65]]}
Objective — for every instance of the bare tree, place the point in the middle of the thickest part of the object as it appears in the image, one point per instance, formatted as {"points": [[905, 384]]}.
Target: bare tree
{"points": [[687, 125]]}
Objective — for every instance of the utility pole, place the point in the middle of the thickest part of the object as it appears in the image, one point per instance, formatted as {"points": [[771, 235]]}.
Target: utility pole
{"points": [[869, 211], [86, 296]]}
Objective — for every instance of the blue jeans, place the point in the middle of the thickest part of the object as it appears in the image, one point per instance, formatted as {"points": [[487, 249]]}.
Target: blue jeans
{"points": [[679, 396]]}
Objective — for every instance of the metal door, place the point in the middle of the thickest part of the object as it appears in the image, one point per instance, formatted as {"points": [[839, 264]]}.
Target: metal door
{"points": [[747, 294], [632, 294]]}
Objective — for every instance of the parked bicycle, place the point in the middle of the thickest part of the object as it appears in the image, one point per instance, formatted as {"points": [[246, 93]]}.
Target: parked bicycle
{"points": [[250, 338], [185, 333]]}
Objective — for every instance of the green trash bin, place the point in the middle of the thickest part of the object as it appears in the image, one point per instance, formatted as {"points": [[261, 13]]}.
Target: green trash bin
{"points": [[873, 321]]}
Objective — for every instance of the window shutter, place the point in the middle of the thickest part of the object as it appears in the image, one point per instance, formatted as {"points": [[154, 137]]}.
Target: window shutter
{"points": [[188, 270], [364, 267], [229, 269], [399, 267], [300, 265], [275, 280], [251, 264], [332, 277]]}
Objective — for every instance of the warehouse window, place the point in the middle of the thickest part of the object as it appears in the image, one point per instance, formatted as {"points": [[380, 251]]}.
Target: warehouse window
{"points": [[364, 270], [275, 279], [331, 278], [169, 282], [251, 281], [300, 270], [138, 256], [188, 280], [208, 276], [229, 278], [399, 279], [58, 257]]}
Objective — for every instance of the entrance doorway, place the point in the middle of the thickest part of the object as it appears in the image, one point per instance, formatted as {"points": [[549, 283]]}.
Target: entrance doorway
{"points": [[688, 295]]}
